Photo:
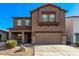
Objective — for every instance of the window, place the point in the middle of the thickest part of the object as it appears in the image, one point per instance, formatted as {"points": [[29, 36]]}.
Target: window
{"points": [[77, 36], [19, 22], [45, 17], [51, 17], [27, 22], [48, 17]]}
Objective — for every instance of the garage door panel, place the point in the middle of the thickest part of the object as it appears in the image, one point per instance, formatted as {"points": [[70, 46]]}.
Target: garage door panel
{"points": [[48, 38]]}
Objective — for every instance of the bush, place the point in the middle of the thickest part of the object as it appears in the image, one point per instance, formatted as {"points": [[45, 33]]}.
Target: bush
{"points": [[11, 43], [77, 43]]}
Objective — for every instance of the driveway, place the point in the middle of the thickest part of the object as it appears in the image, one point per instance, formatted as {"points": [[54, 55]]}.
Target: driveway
{"points": [[56, 50]]}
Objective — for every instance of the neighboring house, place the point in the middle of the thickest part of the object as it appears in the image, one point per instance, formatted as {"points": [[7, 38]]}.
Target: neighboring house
{"points": [[72, 28], [3, 35], [45, 26]]}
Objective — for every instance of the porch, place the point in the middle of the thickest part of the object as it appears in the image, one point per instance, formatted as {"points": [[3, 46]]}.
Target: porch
{"points": [[22, 36]]}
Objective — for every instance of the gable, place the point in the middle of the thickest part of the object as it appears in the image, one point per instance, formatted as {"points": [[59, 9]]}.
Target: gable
{"points": [[49, 8], [50, 5]]}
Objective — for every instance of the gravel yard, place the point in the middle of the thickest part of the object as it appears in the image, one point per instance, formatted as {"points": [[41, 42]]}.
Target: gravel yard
{"points": [[29, 51]]}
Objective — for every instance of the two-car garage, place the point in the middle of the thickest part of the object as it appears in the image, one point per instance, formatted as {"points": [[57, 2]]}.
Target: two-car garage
{"points": [[48, 38]]}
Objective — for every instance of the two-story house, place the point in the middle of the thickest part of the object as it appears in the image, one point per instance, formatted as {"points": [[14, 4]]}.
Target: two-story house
{"points": [[45, 26]]}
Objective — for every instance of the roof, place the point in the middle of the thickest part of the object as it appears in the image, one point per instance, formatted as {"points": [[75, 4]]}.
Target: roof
{"points": [[3, 30], [22, 17], [72, 17], [50, 5]]}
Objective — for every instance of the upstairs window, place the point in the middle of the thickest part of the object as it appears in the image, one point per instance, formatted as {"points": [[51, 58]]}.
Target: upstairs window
{"points": [[51, 17], [48, 16], [27, 22], [19, 22], [45, 17]]}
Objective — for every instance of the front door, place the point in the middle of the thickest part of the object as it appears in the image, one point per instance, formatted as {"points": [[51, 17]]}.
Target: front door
{"points": [[27, 38]]}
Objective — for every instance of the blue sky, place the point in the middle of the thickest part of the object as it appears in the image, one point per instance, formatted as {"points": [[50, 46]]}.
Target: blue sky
{"points": [[9, 10]]}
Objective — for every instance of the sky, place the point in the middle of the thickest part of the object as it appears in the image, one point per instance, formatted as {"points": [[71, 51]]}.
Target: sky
{"points": [[9, 10]]}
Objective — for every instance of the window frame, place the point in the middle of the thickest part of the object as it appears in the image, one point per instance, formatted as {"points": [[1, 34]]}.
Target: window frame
{"points": [[51, 18], [29, 23], [48, 13], [18, 22], [48, 23], [77, 36], [44, 18]]}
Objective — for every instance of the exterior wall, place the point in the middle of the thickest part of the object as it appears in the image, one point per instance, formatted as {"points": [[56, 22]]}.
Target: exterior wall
{"points": [[69, 28], [4, 36], [36, 16], [62, 21], [75, 28]]}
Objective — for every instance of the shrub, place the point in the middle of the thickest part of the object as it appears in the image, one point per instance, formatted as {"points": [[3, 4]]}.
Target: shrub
{"points": [[77, 43], [11, 43]]}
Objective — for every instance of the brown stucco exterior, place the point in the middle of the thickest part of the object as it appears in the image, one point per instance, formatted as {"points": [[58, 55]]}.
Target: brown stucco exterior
{"points": [[45, 34], [51, 38]]}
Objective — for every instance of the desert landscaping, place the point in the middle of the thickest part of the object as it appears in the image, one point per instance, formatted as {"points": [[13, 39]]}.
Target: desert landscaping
{"points": [[17, 51]]}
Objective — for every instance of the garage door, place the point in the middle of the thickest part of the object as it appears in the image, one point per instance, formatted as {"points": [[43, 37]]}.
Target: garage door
{"points": [[48, 38]]}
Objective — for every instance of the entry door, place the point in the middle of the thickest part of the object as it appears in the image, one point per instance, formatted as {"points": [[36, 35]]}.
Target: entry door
{"points": [[77, 37], [29, 38], [26, 38]]}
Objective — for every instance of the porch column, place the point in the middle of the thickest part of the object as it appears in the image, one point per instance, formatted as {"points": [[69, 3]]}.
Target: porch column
{"points": [[33, 38], [22, 37], [64, 39], [10, 35]]}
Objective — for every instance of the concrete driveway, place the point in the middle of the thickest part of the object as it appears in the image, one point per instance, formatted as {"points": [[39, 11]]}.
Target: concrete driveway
{"points": [[56, 50]]}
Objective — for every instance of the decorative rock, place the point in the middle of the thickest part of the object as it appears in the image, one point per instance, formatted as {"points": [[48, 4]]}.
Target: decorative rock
{"points": [[22, 49]]}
